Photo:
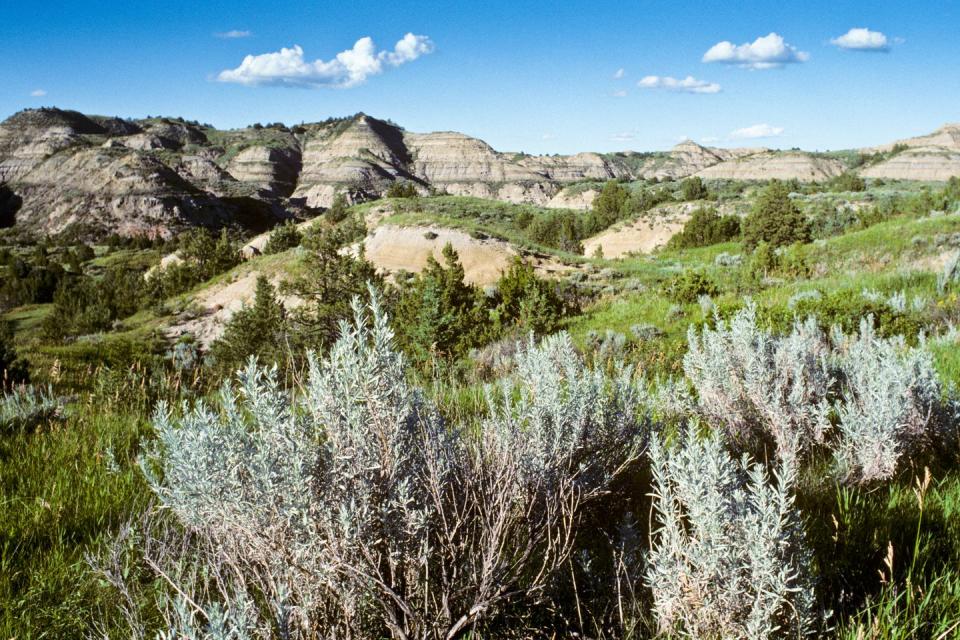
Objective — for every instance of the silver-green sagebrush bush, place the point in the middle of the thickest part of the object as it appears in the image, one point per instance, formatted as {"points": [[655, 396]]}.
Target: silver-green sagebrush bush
{"points": [[759, 387], [892, 407], [352, 511], [874, 404], [728, 558], [23, 407]]}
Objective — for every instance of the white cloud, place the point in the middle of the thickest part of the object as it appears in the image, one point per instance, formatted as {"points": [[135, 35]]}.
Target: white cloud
{"points": [[685, 85], [622, 93], [756, 131], [766, 52], [709, 139], [862, 39], [38, 93], [234, 34], [624, 136], [619, 73], [548, 136], [349, 68]]}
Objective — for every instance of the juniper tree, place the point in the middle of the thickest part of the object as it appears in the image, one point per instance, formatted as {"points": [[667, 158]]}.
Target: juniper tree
{"points": [[439, 314], [775, 219], [261, 330], [331, 277]]}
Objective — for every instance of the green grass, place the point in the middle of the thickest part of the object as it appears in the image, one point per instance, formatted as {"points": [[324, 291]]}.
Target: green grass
{"points": [[60, 499]]}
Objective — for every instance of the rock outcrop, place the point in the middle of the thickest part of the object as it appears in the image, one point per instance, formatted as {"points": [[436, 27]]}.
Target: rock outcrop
{"points": [[780, 165], [158, 175], [933, 157]]}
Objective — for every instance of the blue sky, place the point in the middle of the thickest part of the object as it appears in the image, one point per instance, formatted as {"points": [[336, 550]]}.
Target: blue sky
{"points": [[523, 76]]}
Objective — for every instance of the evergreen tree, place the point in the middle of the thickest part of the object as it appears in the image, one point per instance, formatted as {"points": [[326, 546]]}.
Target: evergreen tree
{"points": [[705, 228], [526, 302], [286, 236], [439, 314], [330, 279], [610, 204], [693, 189], [338, 210], [775, 219], [260, 329]]}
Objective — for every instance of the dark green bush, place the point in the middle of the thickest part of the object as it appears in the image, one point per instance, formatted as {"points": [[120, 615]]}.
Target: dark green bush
{"points": [[687, 287], [285, 236], [775, 219], [338, 210], [848, 181], [401, 189], [693, 189], [705, 228]]}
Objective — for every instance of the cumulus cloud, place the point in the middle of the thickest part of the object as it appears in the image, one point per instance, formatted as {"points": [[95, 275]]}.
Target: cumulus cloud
{"points": [[619, 73], [709, 139], [766, 52], [621, 93], [625, 136], [349, 68], [234, 34], [684, 85], [38, 93], [862, 39], [756, 131]]}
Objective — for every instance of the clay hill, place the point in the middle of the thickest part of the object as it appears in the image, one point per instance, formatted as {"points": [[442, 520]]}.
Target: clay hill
{"points": [[63, 170]]}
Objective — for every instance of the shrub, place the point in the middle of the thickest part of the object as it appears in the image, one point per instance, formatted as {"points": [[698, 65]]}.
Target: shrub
{"points": [[761, 390], [439, 314], [526, 302], [687, 287], [693, 189], [201, 258], [329, 280], [705, 228], [353, 511], [828, 220], [23, 408], [781, 391], [286, 236], [259, 330], [775, 219], [401, 189], [728, 557], [338, 210], [892, 408], [766, 261], [848, 181]]}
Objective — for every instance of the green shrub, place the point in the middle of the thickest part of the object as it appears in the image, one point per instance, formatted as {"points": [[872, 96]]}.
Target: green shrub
{"points": [[338, 210], [788, 262], [687, 287], [260, 330], [202, 257], [705, 228], [693, 189], [848, 181], [401, 189], [775, 219], [286, 236], [526, 302]]}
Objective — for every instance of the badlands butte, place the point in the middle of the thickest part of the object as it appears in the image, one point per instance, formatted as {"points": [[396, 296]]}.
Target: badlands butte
{"points": [[93, 175]]}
